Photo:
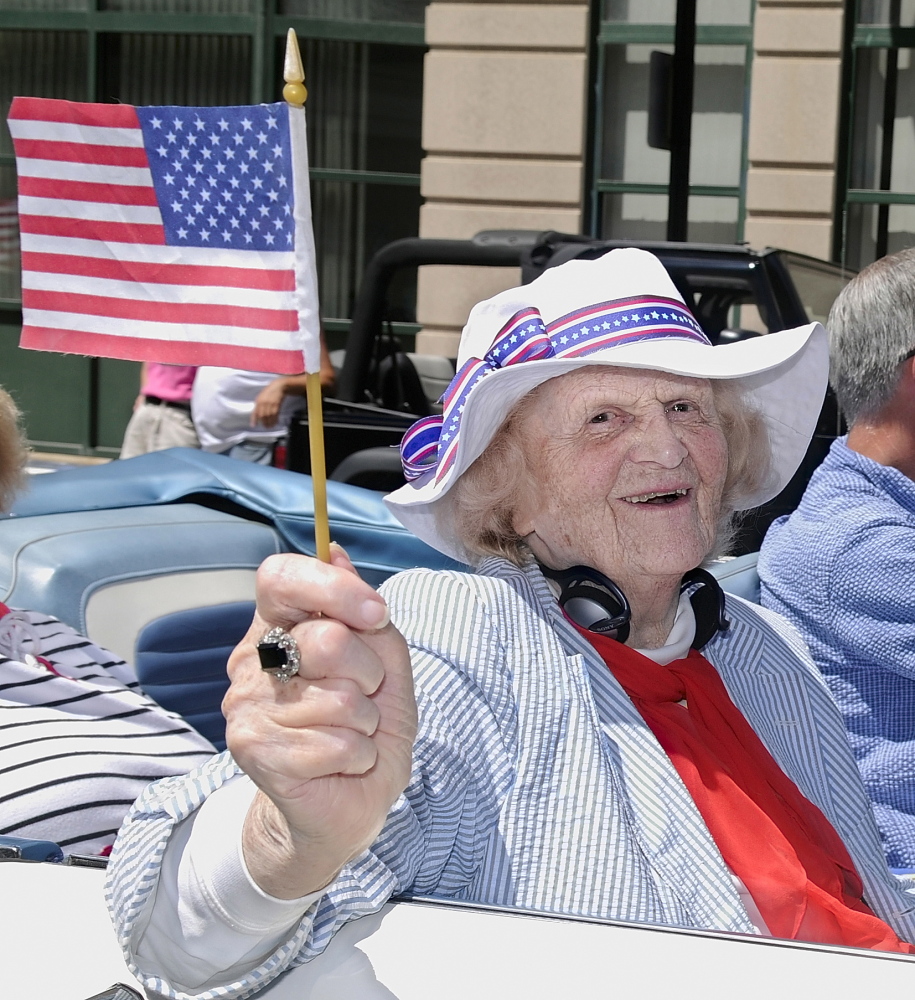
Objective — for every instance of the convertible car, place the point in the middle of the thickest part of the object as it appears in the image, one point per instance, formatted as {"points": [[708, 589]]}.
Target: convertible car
{"points": [[155, 557]]}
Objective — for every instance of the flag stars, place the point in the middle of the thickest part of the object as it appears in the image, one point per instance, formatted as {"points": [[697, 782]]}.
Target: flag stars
{"points": [[252, 153], [199, 122], [230, 154], [269, 239], [246, 124], [211, 180], [263, 210], [162, 151], [172, 138], [234, 223], [234, 181], [223, 124], [257, 182], [273, 194], [192, 140], [268, 166], [271, 121], [169, 179], [182, 233], [282, 180], [220, 168], [176, 206], [198, 208], [178, 124], [227, 195], [226, 235], [277, 150], [261, 137], [205, 194], [211, 221], [214, 139], [198, 166], [155, 122], [204, 235], [221, 208], [206, 153], [243, 168]]}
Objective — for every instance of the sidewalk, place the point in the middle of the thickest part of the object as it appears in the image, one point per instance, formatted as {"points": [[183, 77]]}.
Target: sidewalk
{"points": [[43, 461]]}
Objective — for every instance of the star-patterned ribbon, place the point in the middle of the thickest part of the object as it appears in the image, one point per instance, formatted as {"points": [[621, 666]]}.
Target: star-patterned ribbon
{"points": [[431, 443]]}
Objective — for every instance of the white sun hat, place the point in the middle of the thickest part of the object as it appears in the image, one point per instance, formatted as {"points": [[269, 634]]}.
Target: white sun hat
{"points": [[621, 310]]}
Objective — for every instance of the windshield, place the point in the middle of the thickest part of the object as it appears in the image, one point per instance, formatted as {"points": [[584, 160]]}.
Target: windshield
{"points": [[817, 282]]}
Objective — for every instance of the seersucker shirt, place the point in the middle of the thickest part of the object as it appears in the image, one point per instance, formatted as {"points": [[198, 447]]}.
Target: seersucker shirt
{"points": [[841, 568], [536, 783]]}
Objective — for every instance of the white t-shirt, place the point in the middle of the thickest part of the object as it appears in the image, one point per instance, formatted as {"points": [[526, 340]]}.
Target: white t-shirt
{"points": [[222, 403]]}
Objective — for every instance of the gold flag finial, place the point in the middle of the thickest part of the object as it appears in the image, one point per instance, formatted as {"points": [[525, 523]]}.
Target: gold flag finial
{"points": [[295, 92]]}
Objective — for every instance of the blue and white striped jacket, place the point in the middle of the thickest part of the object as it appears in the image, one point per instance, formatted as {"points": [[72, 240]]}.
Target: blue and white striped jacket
{"points": [[536, 782]]}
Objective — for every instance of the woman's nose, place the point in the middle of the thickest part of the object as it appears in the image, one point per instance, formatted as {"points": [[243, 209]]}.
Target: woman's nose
{"points": [[659, 444]]}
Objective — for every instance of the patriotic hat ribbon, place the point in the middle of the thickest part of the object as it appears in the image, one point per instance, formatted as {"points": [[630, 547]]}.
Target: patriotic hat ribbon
{"points": [[431, 443]]}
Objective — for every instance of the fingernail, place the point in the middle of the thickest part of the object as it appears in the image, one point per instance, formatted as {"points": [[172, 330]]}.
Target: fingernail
{"points": [[339, 548], [375, 614]]}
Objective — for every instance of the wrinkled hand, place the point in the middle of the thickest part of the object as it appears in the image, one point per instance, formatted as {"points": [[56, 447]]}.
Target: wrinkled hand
{"points": [[331, 749], [267, 404]]}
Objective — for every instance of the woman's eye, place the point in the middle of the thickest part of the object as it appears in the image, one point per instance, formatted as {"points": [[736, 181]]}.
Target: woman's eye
{"points": [[680, 408], [600, 418]]}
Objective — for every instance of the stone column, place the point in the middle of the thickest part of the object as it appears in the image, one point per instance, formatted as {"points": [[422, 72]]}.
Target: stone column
{"points": [[794, 121], [504, 136]]}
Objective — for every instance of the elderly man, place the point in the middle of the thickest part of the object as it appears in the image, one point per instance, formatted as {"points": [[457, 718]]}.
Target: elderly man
{"points": [[842, 566]]}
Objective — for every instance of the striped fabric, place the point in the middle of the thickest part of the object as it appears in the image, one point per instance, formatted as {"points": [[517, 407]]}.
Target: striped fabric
{"points": [[841, 569], [168, 234], [536, 782], [78, 739]]}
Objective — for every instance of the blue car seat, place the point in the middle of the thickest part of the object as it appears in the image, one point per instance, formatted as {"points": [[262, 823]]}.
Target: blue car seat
{"points": [[155, 558]]}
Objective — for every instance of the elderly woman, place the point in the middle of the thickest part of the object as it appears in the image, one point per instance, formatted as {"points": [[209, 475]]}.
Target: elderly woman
{"points": [[79, 740], [598, 731]]}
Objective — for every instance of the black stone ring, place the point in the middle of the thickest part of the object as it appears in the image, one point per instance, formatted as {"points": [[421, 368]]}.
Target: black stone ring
{"points": [[279, 654]]}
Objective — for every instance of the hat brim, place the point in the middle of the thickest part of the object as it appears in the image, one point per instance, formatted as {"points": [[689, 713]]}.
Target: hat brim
{"points": [[783, 376]]}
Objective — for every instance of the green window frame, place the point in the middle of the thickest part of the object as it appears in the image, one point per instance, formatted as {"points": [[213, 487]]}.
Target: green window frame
{"points": [[619, 32], [870, 50]]}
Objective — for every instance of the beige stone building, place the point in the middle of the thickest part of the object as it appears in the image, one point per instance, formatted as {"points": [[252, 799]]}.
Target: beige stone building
{"points": [[507, 115]]}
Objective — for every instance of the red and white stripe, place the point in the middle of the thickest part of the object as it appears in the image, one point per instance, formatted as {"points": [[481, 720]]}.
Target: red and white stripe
{"points": [[97, 276]]}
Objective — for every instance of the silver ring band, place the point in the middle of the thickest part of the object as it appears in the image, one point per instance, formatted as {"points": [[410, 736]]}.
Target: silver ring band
{"points": [[279, 654]]}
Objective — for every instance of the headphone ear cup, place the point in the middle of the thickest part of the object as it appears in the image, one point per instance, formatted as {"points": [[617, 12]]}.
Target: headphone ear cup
{"points": [[592, 601]]}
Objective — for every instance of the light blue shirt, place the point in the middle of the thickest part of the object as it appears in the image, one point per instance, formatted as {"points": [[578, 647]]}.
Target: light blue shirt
{"points": [[536, 782], [841, 568]]}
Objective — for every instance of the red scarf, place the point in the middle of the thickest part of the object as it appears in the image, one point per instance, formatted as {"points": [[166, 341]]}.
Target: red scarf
{"points": [[781, 846]]}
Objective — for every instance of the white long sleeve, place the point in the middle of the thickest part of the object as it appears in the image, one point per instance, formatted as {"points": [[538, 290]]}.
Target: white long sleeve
{"points": [[225, 923]]}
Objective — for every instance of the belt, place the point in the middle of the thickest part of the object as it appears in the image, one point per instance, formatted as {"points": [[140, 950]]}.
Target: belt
{"points": [[171, 403]]}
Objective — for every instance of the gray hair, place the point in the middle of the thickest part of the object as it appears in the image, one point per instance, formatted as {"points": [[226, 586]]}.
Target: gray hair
{"points": [[485, 498], [871, 329], [13, 450]]}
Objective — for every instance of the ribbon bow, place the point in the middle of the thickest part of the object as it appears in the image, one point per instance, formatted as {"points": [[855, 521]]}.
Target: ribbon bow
{"points": [[432, 441]]}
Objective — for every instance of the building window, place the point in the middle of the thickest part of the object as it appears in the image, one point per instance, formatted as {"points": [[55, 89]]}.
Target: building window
{"points": [[877, 180], [630, 179]]}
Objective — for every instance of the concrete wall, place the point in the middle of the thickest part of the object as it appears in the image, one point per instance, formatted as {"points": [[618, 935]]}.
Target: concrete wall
{"points": [[794, 120], [503, 131]]}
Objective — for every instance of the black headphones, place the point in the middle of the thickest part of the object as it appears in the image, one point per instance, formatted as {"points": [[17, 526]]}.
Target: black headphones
{"points": [[596, 603]]}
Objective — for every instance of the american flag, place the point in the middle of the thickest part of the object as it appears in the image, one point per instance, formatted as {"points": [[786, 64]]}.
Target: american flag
{"points": [[168, 234]]}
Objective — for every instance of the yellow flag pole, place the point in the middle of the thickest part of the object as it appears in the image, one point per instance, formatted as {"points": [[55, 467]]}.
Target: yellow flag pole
{"points": [[295, 94]]}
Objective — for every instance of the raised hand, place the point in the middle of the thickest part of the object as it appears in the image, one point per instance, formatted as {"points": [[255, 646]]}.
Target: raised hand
{"points": [[330, 750]]}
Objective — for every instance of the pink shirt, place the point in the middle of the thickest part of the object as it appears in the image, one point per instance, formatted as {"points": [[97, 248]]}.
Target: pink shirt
{"points": [[172, 382]]}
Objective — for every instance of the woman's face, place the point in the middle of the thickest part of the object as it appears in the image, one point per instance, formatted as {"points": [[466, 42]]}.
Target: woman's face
{"points": [[628, 468]]}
